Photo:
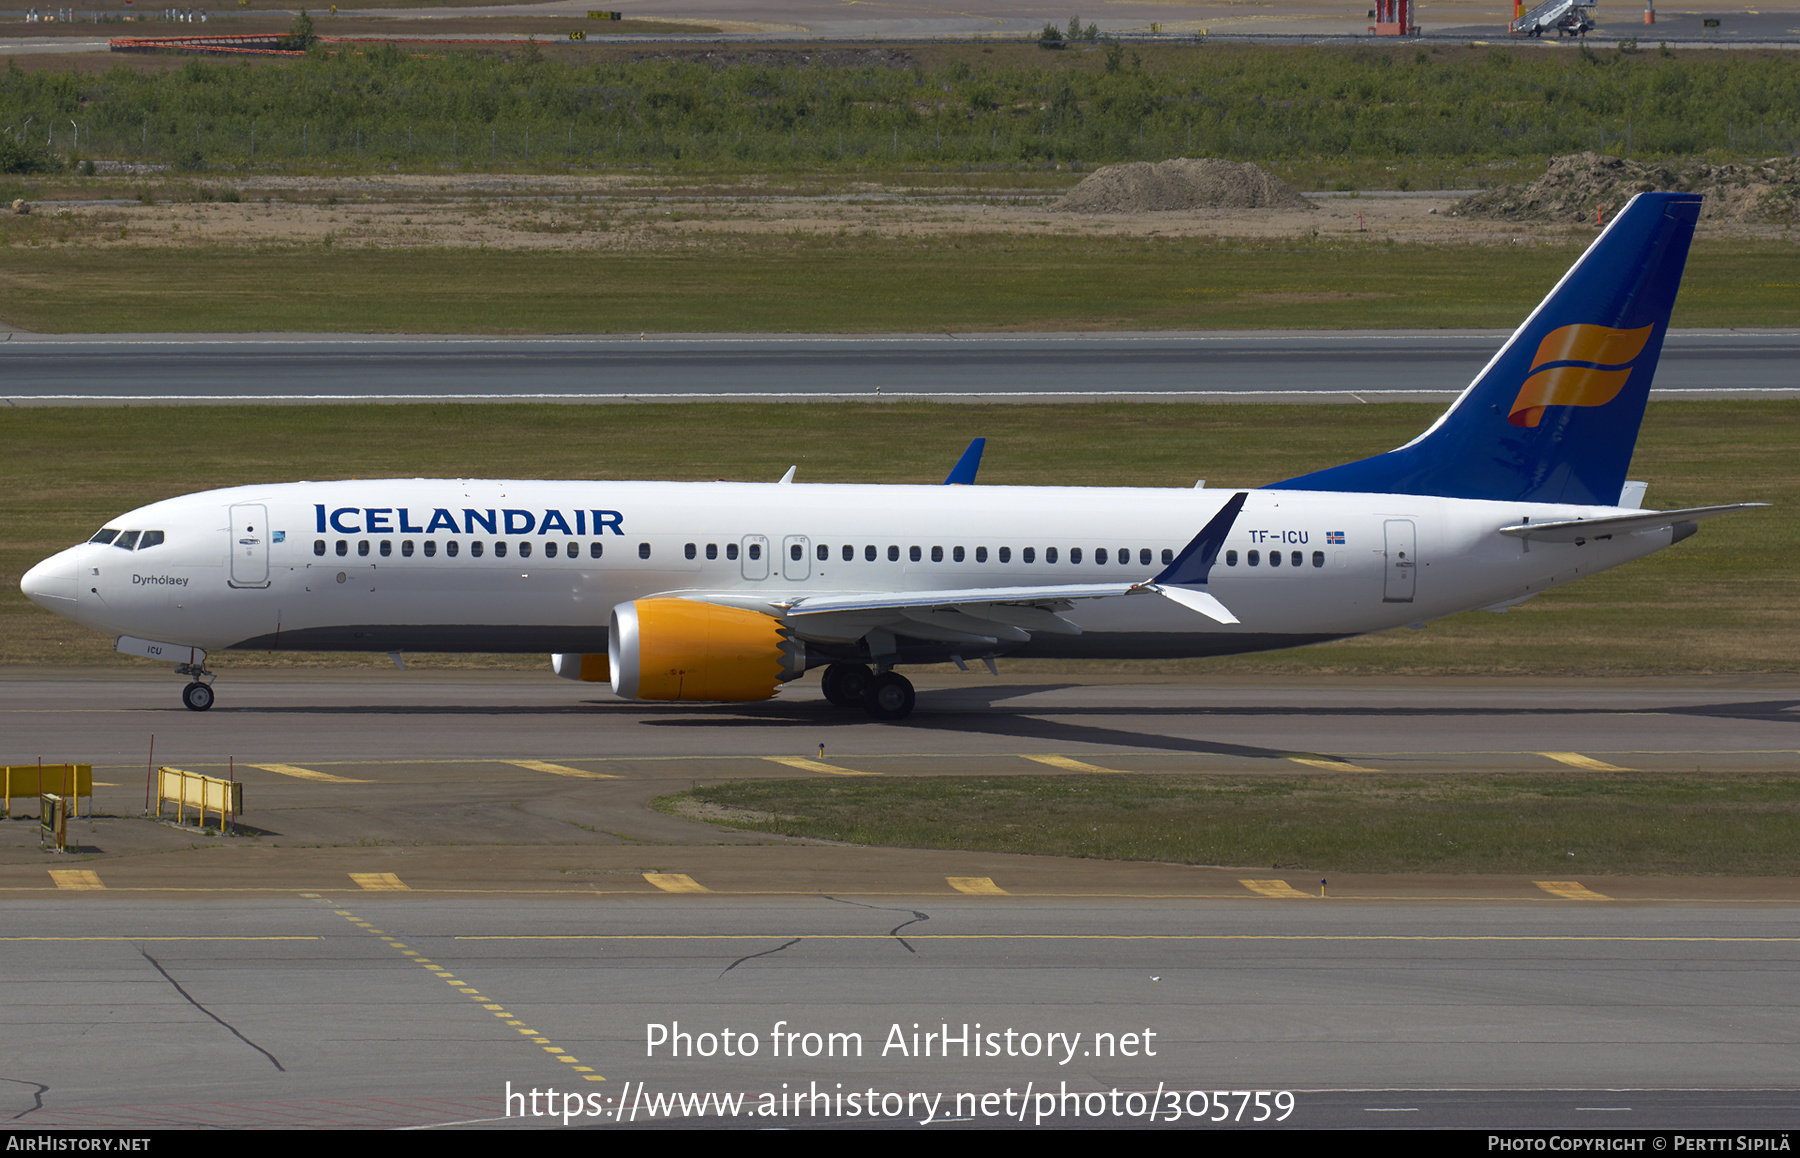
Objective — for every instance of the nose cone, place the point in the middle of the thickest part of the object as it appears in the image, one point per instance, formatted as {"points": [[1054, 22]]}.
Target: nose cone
{"points": [[52, 584]]}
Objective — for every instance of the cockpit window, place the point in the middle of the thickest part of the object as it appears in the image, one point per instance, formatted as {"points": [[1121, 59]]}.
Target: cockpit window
{"points": [[127, 541], [150, 539], [104, 536]]}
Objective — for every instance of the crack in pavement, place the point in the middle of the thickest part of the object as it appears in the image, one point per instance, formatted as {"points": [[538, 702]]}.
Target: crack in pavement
{"points": [[894, 932], [190, 999], [754, 956], [39, 1089]]}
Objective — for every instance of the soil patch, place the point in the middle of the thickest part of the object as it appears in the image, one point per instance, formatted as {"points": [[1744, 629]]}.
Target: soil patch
{"points": [[1183, 183], [1574, 187]]}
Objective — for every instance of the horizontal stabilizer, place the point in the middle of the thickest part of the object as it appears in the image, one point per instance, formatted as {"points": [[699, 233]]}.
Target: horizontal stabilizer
{"points": [[1576, 530]]}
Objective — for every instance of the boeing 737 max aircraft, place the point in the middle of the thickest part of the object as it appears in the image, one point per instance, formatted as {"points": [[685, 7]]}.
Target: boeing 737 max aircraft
{"points": [[724, 591]]}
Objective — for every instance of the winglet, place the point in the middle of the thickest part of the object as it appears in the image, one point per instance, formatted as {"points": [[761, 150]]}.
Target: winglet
{"points": [[1192, 566], [963, 473]]}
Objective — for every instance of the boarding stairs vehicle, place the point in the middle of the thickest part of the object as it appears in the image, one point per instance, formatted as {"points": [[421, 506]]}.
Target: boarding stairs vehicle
{"points": [[1565, 17]]}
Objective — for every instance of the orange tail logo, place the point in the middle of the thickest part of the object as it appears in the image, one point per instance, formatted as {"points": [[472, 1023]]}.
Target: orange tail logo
{"points": [[1593, 363]]}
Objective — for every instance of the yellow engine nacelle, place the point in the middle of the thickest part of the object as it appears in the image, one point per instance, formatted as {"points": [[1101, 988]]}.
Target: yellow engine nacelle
{"points": [[680, 649], [589, 668]]}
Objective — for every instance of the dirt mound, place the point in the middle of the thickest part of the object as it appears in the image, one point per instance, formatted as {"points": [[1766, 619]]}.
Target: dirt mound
{"points": [[1570, 189], [1207, 183]]}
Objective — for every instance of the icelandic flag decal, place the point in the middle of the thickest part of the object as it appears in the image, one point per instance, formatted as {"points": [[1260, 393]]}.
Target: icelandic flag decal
{"points": [[1336, 537]]}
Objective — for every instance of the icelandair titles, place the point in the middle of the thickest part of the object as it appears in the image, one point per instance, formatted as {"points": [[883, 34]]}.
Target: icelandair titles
{"points": [[398, 520]]}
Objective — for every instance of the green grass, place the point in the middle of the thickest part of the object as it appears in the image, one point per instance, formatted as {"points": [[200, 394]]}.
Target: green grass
{"points": [[1726, 600], [1638, 824], [737, 284]]}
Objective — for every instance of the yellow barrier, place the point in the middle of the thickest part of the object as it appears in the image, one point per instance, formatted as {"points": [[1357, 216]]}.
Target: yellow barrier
{"points": [[71, 780], [208, 793]]}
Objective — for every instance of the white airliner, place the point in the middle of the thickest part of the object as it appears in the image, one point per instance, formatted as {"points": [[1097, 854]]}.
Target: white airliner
{"points": [[724, 591]]}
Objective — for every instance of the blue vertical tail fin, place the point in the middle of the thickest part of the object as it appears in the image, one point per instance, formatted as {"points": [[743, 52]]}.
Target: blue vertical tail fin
{"points": [[1554, 416]]}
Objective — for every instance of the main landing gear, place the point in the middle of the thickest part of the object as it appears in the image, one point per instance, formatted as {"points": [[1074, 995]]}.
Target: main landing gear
{"points": [[198, 695], [888, 696]]}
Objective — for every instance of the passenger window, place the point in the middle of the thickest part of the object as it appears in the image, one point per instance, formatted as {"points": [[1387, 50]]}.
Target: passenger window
{"points": [[712, 550], [914, 554], [318, 546], [755, 551], [1074, 554], [1253, 558], [549, 550], [824, 553], [430, 548], [981, 554], [1029, 555], [937, 554], [126, 541], [450, 549], [869, 553], [1049, 554], [500, 549], [104, 535], [1318, 558], [849, 553], [643, 550], [406, 548], [1099, 555], [525, 550], [1231, 558], [476, 547], [150, 539], [387, 548], [1006, 554], [731, 550], [1144, 557], [956, 553], [893, 554], [795, 552], [689, 551], [362, 546], [1294, 558], [1274, 558], [1168, 556], [343, 548], [596, 549]]}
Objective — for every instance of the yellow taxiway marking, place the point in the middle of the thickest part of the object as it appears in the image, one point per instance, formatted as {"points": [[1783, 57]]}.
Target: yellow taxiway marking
{"points": [[1329, 764], [976, 886], [379, 882], [300, 773], [1074, 765], [463, 987], [1577, 760], [805, 765], [76, 879], [559, 770], [1275, 889], [1571, 891], [676, 883]]}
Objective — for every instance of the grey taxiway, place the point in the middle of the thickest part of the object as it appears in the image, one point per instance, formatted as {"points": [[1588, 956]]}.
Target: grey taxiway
{"points": [[1263, 366]]}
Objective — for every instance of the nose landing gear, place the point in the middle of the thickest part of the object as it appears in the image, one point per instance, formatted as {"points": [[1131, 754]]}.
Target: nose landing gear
{"points": [[198, 695]]}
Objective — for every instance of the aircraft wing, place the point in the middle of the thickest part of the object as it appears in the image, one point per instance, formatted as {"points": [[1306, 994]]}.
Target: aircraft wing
{"points": [[1571, 530], [1012, 613]]}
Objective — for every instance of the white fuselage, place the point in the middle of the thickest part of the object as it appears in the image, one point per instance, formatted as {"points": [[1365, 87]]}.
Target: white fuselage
{"points": [[347, 566]]}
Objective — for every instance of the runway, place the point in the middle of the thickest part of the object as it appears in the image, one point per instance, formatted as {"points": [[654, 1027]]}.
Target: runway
{"points": [[451, 881], [1365, 366]]}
